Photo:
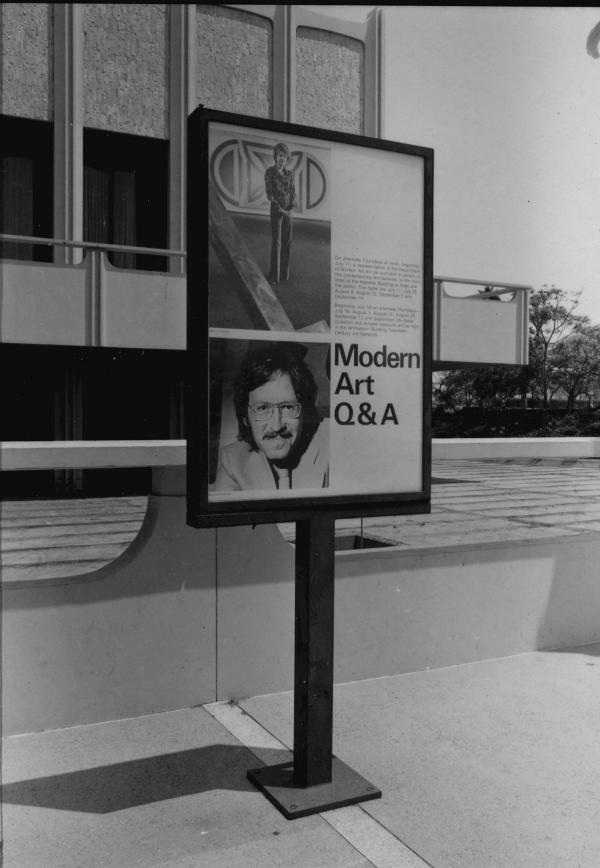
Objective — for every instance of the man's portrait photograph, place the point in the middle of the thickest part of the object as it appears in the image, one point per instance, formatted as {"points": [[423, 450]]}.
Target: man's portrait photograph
{"points": [[269, 230], [269, 416]]}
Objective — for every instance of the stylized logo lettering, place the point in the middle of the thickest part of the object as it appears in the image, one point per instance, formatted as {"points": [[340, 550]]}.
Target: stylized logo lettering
{"points": [[237, 168]]}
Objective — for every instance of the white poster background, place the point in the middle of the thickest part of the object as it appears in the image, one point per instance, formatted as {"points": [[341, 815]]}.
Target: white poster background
{"points": [[376, 200]]}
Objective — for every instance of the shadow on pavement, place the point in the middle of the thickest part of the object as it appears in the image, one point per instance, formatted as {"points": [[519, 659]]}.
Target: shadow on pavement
{"points": [[116, 787]]}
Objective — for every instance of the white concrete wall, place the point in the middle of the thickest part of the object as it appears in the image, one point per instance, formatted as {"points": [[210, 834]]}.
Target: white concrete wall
{"points": [[399, 611], [134, 637], [187, 616]]}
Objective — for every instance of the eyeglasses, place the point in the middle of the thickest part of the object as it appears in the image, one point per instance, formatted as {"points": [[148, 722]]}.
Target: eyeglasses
{"points": [[287, 409]]}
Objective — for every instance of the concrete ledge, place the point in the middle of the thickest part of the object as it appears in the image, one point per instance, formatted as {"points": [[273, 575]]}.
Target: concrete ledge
{"points": [[517, 447], [76, 454], [67, 454]]}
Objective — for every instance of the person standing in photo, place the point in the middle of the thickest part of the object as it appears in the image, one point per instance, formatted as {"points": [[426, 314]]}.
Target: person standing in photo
{"points": [[281, 192]]}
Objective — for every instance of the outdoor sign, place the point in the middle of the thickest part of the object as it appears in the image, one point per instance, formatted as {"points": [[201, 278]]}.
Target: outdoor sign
{"points": [[309, 343], [309, 311]]}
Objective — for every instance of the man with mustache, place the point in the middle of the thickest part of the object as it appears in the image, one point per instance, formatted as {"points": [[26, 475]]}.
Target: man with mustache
{"points": [[282, 443]]}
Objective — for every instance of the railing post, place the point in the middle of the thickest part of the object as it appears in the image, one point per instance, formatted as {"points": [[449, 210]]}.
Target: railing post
{"points": [[182, 87]]}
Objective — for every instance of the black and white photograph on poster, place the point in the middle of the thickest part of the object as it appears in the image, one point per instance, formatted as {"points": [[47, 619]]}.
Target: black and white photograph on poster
{"points": [[287, 268], [270, 231], [269, 418]]}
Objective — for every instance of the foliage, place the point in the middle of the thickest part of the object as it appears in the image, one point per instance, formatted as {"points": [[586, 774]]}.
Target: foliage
{"points": [[515, 422], [575, 363], [552, 318], [490, 388], [564, 363]]}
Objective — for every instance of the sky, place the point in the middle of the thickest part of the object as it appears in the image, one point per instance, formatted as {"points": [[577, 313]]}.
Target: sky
{"points": [[509, 99]]}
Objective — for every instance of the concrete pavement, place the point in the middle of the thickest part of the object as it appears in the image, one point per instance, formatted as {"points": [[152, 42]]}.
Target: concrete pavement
{"points": [[494, 764]]}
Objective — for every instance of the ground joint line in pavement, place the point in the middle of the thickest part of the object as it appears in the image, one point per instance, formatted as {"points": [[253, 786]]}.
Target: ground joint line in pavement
{"points": [[362, 831]]}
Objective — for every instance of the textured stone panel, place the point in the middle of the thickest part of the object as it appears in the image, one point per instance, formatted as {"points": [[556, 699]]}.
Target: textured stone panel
{"points": [[125, 67], [26, 72], [329, 80], [234, 61]]}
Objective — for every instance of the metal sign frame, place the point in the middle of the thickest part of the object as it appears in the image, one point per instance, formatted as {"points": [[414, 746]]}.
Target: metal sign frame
{"points": [[202, 510]]}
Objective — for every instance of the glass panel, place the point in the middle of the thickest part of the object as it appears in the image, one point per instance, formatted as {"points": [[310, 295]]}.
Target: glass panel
{"points": [[26, 186], [125, 195]]}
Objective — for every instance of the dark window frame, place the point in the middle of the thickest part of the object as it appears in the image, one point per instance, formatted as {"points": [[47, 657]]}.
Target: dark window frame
{"points": [[124, 159], [30, 140]]}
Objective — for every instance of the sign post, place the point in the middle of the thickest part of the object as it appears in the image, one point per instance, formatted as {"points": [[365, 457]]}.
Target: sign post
{"points": [[313, 660], [309, 346], [316, 780]]}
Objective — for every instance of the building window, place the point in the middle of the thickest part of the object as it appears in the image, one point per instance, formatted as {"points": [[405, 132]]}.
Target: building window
{"points": [[125, 195], [26, 167]]}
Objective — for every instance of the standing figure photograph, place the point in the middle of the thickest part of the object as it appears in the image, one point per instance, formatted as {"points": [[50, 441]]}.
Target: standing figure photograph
{"points": [[281, 192], [268, 195]]}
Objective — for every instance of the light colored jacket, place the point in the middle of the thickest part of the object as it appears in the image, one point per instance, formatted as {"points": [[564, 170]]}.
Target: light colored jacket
{"points": [[242, 469]]}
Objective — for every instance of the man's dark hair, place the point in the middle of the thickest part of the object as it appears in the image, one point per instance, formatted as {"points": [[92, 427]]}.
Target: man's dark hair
{"points": [[263, 364]]}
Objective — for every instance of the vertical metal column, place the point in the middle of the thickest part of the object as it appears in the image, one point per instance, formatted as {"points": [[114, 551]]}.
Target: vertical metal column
{"points": [[284, 62], [316, 780], [67, 56], [182, 101], [313, 674]]}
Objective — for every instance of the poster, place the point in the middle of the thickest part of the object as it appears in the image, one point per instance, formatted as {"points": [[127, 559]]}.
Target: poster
{"points": [[317, 275]]}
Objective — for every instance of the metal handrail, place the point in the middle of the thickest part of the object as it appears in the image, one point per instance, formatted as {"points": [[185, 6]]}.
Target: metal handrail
{"points": [[499, 287], [91, 245]]}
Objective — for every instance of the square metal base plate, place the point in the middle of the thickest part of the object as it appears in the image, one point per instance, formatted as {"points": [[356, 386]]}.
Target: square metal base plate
{"points": [[346, 788]]}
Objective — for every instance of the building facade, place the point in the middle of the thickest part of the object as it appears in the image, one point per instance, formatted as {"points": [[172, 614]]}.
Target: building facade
{"points": [[94, 104]]}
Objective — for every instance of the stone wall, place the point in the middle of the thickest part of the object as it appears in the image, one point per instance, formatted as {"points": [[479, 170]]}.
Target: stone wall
{"points": [[329, 80], [125, 68], [26, 73], [234, 59]]}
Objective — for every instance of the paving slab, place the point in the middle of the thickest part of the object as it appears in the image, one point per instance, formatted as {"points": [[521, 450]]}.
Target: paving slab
{"points": [[479, 502], [494, 764], [167, 790], [564, 519]]}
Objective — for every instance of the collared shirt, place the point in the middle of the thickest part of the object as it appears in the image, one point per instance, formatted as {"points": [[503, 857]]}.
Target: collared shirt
{"points": [[280, 187]]}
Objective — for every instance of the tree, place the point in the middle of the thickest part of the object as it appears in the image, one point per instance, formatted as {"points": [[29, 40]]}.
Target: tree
{"points": [[564, 352], [489, 389], [551, 318], [575, 362], [496, 388], [454, 390]]}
